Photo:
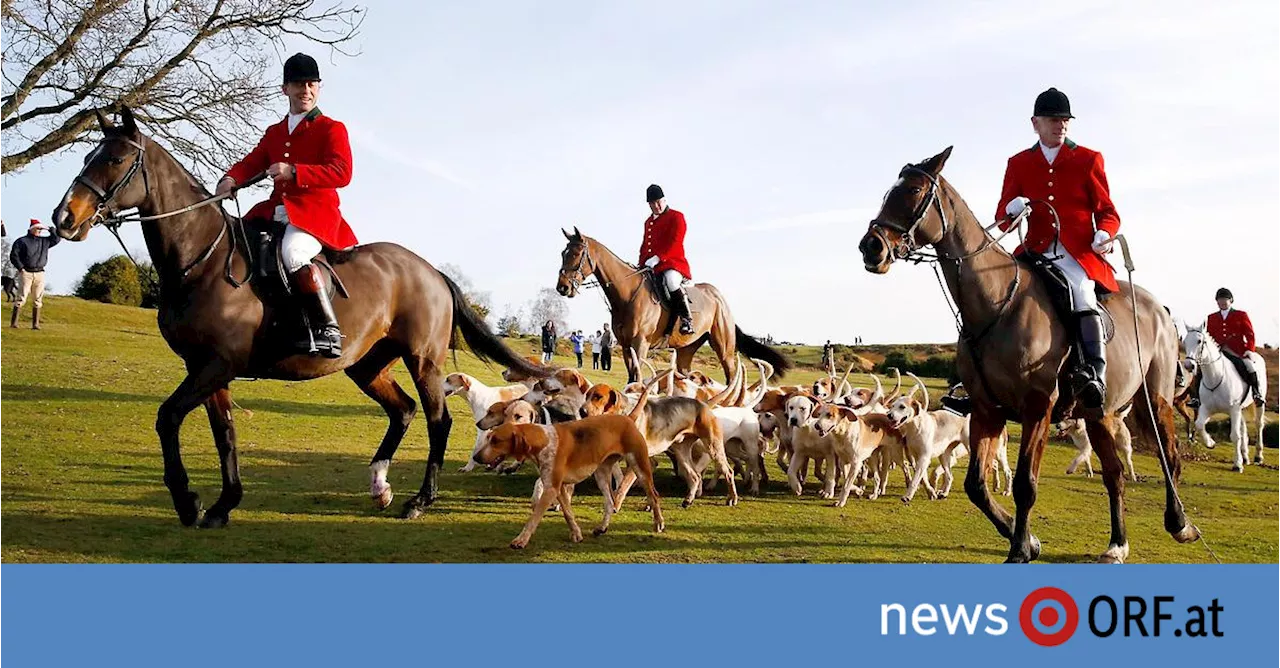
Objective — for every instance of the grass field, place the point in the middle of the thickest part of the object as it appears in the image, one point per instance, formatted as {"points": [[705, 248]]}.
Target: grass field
{"points": [[82, 482]]}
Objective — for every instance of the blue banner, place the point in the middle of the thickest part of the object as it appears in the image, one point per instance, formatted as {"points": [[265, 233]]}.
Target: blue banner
{"points": [[604, 615]]}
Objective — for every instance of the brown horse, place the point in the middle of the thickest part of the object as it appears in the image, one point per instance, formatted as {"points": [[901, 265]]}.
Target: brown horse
{"points": [[640, 321], [1012, 350], [401, 308]]}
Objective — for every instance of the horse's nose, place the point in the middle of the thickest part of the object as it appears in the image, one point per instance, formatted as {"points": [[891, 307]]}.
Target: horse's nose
{"points": [[872, 248], [563, 290]]}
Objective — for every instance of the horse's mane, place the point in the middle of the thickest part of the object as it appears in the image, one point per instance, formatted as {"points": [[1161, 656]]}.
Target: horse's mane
{"points": [[192, 181]]}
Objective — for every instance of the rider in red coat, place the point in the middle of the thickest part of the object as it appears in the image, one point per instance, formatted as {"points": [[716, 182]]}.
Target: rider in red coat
{"points": [[1233, 331], [1071, 179], [308, 157], [663, 252]]}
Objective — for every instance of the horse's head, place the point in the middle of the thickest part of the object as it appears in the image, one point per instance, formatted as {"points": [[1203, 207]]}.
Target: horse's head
{"points": [[908, 218], [1196, 342], [575, 264], [106, 184]]}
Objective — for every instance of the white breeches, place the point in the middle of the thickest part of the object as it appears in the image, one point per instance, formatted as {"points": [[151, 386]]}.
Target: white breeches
{"points": [[1083, 295], [298, 248], [672, 279]]}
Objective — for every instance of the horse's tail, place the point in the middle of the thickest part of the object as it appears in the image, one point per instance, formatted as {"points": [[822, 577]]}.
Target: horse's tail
{"points": [[753, 348], [482, 341]]}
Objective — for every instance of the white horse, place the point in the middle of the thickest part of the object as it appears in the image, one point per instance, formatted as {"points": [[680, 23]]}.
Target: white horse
{"points": [[1222, 390]]}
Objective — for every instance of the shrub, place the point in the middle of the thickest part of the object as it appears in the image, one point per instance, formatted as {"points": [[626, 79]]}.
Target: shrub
{"points": [[112, 281]]}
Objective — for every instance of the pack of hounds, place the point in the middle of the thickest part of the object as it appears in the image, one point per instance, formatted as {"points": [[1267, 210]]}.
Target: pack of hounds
{"points": [[571, 428]]}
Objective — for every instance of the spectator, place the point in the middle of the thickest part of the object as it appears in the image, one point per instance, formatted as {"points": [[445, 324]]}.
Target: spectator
{"points": [[30, 254], [548, 342], [576, 339], [10, 271], [594, 345], [606, 348]]}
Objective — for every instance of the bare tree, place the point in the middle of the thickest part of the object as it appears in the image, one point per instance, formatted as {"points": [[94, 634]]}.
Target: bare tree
{"points": [[199, 74], [512, 321], [549, 305], [479, 300]]}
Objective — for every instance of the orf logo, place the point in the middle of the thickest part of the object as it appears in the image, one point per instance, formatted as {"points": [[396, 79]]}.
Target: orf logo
{"points": [[1048, 616]]}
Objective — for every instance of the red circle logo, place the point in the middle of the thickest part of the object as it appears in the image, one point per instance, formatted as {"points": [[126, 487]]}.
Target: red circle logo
{"points": [[1048, 616]]}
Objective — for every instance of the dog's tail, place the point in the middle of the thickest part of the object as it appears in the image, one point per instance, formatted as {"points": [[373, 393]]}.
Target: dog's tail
{"points": [[752, 347], [482, 341], [638, 410]]}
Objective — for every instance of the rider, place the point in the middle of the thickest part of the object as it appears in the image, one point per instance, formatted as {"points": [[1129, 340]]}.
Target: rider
{"points": [[1234, 332], [308, 157], [663, 253], [1060, 173]]}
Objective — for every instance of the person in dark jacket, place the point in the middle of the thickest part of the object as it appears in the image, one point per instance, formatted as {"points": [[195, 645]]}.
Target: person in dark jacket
{"points": [[606, 348], [30, 254], [548, 342]]}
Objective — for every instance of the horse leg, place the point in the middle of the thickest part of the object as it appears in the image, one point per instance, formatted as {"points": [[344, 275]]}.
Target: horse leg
{"points": [[430, 384], [1102, 434], [1202, 419], [684, 358], [725, 346], [199, 385], [1161, 430], [1237, 439], [400, 408], [224, 438], [1024, 546]]}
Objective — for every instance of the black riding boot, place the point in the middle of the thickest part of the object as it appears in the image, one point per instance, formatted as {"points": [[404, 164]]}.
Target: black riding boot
{"points": [[326, 338], [1090, 385], [1251, 377], [680, 305]]}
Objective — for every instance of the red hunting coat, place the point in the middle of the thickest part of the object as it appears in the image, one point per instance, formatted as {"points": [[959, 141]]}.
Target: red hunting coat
{"points": [[664, 237], [1235, 333], [320, 154], [1076, 185]]}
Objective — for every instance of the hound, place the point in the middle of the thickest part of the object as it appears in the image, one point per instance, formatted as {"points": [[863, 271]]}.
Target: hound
{"points": [[854, 439], [1074, 429], [928, 435], [480, 397], [561, 393], [566, 454]]}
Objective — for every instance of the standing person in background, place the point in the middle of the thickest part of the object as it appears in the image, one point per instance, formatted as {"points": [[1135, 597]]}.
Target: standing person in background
{"points": [[10, 271], [593, 347], [606, 348], [576, 339], [30, 254], [548, 342]]}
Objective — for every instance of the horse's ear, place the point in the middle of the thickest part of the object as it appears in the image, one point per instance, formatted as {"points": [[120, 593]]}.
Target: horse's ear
{"points": [[566, 234], [127, 124], [577, 236], [934, 165], [104, 122]]}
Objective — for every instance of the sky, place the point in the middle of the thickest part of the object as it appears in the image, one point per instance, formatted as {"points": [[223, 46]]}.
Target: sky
{"points": [[479, 130]]}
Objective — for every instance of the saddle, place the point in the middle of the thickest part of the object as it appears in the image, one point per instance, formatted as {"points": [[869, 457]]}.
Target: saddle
{"points": [[1060, 293], [287, 318]]}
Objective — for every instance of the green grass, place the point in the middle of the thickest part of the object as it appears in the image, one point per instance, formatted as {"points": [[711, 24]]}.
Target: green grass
{"points": [[82, 482]]}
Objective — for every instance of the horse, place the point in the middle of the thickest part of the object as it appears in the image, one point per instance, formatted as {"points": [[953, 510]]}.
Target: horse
{"points": [[640, 321], [402, 309], [1222, 390], [1012, 350]]}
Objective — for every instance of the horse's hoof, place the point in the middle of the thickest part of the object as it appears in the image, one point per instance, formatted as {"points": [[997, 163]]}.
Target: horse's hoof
{"points": [[382, 500], [415, 507], [214, 520], [1188, 534], [189, 508], [1035, 548], [1116, 554], [1109, 559]]}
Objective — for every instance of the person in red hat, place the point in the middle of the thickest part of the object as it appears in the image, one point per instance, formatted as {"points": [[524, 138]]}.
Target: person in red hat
{"points": [[30, 254], [662, 251], [1059, 174], [308, 157]]}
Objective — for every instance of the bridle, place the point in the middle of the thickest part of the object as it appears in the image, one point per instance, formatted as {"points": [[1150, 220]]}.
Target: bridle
{"points": [[586, 266], [106, 203], [1200, 349], [908, 248]]}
